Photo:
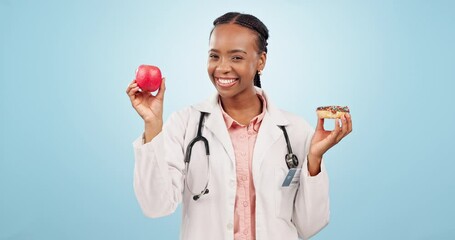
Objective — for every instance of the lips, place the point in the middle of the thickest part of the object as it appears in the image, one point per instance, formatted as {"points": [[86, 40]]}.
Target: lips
{"points": [[226, 82]]}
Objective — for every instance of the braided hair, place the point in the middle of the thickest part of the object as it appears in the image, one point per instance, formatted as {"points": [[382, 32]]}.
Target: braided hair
{"points": [[251, 22]]}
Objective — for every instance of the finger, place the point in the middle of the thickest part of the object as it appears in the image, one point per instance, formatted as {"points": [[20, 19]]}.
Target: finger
{"points": [[131, 85], [132, 93], [344, 129], [344, 124], [349, 122], [320, 124], [337, 124], [160, 94], [336, 132], [134, 90]]}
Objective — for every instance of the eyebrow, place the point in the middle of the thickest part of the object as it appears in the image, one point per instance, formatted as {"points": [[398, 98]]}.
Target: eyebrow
{"points": [[230, 51]]}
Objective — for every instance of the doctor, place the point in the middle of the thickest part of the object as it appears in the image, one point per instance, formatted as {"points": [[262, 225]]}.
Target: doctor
{"points": [[239, 191]]}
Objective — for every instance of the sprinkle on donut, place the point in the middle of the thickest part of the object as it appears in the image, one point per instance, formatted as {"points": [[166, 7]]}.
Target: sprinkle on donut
{"points": [[333, 109]]}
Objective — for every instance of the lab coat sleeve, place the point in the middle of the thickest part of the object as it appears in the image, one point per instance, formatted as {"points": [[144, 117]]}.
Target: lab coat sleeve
{"points": [[311, 207], [159, 169]]}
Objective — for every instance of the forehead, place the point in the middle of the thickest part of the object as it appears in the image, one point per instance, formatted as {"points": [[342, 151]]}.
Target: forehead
{"points": [[233, 36]]}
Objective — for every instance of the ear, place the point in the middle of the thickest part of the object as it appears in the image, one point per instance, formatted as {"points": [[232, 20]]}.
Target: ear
{"points": [[262, 61]]}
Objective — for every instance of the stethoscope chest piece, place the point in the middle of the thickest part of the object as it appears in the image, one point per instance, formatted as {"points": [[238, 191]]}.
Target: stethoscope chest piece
{"points": [[292, 161]]}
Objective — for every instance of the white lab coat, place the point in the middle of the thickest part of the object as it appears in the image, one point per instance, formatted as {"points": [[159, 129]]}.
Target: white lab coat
{"points": [[300, 210]]}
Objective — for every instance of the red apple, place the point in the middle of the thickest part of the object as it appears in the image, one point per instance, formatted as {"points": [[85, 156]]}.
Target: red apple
{"points": [[148, 78]]}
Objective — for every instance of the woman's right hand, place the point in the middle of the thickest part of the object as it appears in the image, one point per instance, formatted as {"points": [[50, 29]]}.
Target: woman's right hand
{"points": [[149, 107]]}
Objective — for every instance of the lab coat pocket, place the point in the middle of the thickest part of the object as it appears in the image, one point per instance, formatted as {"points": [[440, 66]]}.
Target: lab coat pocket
{"points": [[284, 195]]}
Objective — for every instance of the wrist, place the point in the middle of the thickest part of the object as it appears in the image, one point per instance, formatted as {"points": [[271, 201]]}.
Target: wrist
{"points": [[151, 130], [314, 158], [314, 164], [151, 120]]}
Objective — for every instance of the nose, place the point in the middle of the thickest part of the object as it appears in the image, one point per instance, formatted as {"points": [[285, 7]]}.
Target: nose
{"points": [[223, 66]]}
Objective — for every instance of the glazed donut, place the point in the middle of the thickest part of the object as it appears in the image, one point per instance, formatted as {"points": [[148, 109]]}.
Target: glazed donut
{"points": [[331, 111]]}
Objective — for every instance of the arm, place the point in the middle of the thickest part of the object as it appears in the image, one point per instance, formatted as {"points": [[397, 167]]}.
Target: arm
{"points": [[312, 209], [159, 169]]}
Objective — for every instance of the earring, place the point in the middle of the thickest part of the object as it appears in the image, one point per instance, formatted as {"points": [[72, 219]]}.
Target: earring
{"points": [[260, 72]]}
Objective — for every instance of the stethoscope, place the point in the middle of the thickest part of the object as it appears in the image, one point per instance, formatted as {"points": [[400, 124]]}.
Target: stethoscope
{"points": [[291, 159]]}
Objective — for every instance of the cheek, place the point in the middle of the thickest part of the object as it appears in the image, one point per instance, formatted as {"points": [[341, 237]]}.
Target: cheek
{"points": [[209, 67], [249, 68], [254, 65]]}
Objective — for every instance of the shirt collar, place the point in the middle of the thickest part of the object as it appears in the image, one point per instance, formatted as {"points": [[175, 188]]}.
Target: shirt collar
{"points": [[230, 122], [212, 107]]}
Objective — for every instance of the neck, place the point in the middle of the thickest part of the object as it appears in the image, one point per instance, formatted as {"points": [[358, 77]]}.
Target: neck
{"points": [[243, 109]]}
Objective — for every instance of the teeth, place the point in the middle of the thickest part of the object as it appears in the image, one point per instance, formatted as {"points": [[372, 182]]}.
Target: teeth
{"points": [[226, 81]]}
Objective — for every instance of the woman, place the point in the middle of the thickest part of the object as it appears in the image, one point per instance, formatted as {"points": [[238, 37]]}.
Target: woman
{"points": [[244, 194]]}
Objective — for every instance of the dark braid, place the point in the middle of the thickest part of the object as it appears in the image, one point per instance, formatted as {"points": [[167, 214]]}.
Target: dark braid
{"points": [[251, 22]]}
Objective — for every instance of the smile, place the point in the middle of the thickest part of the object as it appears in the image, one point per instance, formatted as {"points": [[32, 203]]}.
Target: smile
{"points": [[226, 82]]}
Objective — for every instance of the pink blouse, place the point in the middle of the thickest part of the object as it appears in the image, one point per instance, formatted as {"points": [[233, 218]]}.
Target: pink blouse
{"points": [[243, 139]]}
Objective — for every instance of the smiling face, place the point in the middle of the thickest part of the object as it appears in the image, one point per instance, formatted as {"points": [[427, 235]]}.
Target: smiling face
{"points": [[233, 60]]}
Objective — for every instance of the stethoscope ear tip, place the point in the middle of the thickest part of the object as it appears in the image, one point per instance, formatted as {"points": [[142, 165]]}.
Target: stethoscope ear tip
{"points": [[196, 197]]}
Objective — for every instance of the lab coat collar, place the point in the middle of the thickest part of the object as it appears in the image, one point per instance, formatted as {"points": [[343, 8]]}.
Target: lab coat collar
{"points": [[268, 133]]}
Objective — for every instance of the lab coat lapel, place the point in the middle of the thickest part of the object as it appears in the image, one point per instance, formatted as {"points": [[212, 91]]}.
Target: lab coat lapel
{"points": [[268, 134], [215, 123]]}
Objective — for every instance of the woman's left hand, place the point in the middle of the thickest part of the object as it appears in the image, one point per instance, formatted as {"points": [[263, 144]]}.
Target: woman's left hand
{"points": [[323, 140]]}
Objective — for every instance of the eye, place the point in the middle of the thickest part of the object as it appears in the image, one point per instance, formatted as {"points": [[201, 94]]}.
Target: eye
{"points": [[213, 56], [237, 58]]}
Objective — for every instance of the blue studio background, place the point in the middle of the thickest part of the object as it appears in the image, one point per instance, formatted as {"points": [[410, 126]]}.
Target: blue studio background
{"points": [[67, 125]]}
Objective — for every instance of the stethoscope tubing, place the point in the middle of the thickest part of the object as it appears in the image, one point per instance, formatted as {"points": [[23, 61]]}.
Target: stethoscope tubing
{"points": [[189, 148], [290, 158]]}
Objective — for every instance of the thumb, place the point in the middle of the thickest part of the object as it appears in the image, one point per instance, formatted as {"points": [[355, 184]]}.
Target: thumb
{"points": [[160, 94], [320, 124]]}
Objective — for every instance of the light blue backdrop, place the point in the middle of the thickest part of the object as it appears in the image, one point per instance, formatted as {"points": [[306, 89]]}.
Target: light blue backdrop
{"points": [[67, 124]]}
